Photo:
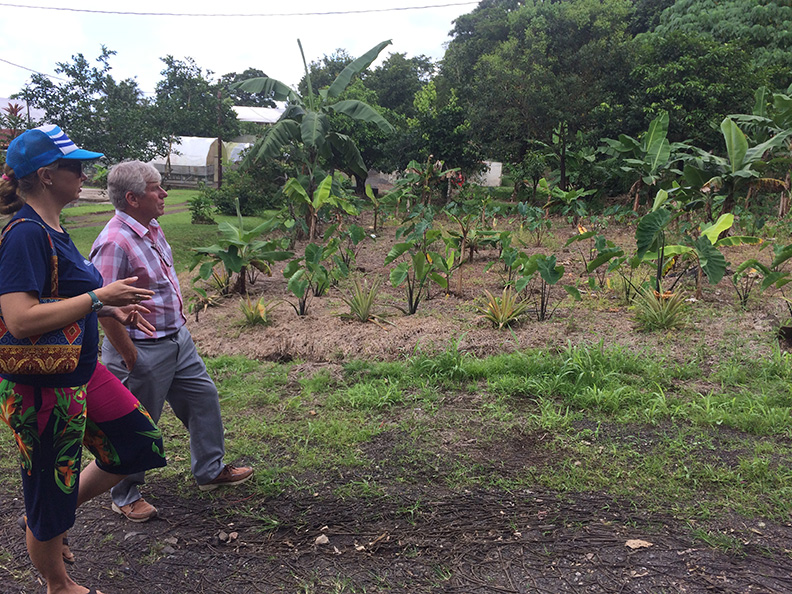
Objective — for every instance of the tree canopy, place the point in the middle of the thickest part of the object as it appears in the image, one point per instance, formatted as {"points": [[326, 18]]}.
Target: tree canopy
{"points": [[97, 111], [240, 97], [548, 64], [398, 79], [191, 104], [694, 78], [762, 27]]}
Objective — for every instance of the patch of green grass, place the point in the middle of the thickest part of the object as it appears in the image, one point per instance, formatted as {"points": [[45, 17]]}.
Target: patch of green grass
{"points": [[609, 420], [360, 489], [374, 394], [725, 542]]}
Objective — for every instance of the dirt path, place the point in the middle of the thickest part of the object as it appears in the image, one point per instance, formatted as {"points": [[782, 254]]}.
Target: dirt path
{"points": [[424, 542]]}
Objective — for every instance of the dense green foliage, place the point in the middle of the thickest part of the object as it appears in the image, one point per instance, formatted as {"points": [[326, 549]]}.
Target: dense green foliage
{"points": [[556, 64], [97, 111], [192, 104], [762, 27]]}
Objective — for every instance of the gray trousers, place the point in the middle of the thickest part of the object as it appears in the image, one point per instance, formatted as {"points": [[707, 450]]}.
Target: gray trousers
{"points": [[171, 370]]}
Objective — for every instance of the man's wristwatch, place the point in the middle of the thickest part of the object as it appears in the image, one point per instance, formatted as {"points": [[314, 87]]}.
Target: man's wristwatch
{"points": [[96, 305]]}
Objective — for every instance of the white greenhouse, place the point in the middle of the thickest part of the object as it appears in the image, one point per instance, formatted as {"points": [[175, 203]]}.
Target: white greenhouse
{"points": [[193, 160]]}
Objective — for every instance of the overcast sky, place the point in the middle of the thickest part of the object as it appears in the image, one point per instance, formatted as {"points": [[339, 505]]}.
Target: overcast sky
{"points": [[37, 39]]}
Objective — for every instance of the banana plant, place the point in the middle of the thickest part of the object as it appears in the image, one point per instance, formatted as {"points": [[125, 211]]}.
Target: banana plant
{"points": [[733, 176], [650, 159], [771, 115], [306, 119], [306, 125], [312, 204], [240, 251]]}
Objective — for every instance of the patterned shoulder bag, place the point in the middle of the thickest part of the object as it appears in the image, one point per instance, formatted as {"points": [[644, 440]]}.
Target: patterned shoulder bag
{"points": [[57, 351]]}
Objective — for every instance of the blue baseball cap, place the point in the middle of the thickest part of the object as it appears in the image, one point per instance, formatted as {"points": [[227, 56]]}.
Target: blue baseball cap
{"points": [[41, 146]]}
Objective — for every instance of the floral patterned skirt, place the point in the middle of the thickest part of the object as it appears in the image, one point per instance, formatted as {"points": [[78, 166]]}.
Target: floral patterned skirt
{"points": [[51, 425]]}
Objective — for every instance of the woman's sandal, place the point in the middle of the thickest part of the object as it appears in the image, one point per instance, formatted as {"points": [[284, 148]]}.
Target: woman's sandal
{"points": [[68, 556]]}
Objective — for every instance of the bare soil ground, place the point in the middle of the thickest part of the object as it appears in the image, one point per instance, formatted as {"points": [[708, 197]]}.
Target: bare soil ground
{"points": [[423, 537]]}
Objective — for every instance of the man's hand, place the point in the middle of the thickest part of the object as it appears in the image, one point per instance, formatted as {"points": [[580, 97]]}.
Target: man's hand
{"points": [[130, 315]]}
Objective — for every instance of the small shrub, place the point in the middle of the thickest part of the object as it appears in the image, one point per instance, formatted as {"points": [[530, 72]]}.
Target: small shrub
{"points": [[257, 189], [656, 311], [202, 210]]}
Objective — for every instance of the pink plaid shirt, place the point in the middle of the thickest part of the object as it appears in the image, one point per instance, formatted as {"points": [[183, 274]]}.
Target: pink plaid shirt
{"points": [[126, 248]]}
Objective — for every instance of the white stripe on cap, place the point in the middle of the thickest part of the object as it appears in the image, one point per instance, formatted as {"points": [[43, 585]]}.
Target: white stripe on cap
{"points": [[58, 136]]}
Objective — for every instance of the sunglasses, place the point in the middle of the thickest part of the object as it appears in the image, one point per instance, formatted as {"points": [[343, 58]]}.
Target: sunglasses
{"points": [[72, 165]]}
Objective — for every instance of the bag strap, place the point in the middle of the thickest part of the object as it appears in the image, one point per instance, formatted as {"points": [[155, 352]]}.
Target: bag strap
{"points": [[53, 253]]}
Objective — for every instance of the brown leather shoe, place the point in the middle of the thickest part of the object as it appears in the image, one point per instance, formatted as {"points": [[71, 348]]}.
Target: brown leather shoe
{"points": [[230, 476], [137, 511]]}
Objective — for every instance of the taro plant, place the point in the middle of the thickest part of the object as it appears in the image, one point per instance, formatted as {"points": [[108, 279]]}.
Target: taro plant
{"points": [[240, 252], [349, 239], [513, 260], [598, 249], [625, 266], [549, 275], [502, 311], [773, 276], [704, 249], [745, 279], [534, 221], [317, 266], [413, 272], [444, 266]]}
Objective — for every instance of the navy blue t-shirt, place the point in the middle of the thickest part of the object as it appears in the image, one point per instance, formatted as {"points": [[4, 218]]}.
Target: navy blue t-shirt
{"points": [[25, 267]]}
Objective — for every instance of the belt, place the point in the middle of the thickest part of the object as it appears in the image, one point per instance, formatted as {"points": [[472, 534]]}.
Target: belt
{"points": [[156, 340]]}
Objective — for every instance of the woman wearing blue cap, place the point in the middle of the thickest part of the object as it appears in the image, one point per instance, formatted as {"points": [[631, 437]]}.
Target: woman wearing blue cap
{"points": [[54, 415]]}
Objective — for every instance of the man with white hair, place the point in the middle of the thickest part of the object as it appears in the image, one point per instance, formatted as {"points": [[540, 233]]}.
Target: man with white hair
{"points": [[167, 365]]}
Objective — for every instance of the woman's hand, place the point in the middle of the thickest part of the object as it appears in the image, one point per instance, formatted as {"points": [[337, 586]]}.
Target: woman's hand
{"points": [[123, 292], [131, 315]]}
